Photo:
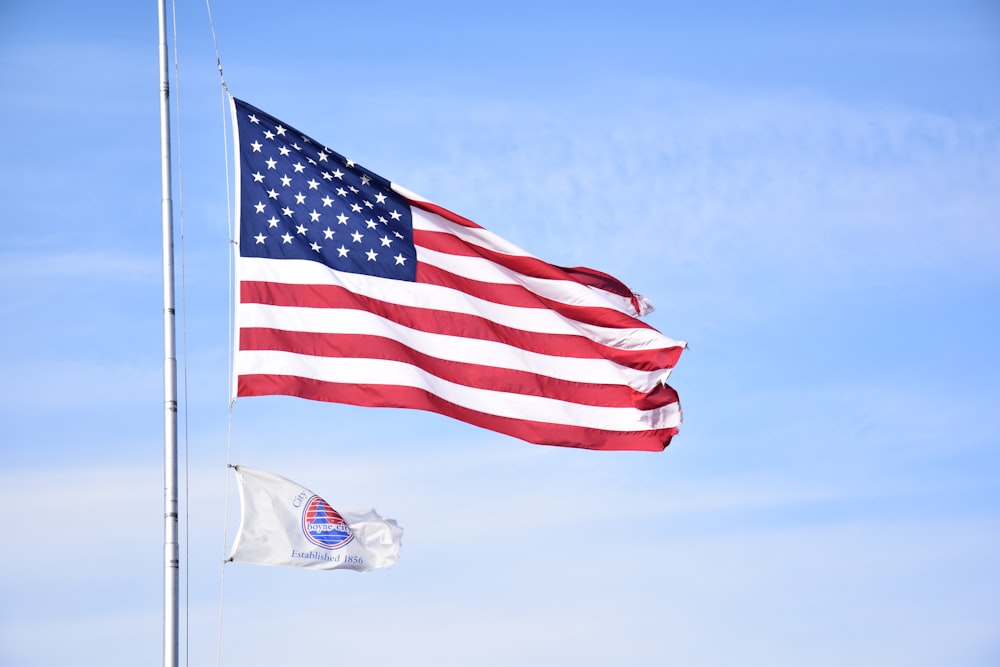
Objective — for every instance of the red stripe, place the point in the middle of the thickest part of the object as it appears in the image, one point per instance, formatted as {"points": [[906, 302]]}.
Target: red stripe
{"points": [[523, 264], [454, 324], [603, 281], [516, 295], [391, 396], [356, 346], [599, 279], [448, 243]]}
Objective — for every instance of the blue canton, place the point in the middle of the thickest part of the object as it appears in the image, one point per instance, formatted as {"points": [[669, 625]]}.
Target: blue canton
{"points": [[301, 200]]}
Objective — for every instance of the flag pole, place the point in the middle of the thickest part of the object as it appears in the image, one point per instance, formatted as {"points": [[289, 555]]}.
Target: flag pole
{"points": [[171, 552]]}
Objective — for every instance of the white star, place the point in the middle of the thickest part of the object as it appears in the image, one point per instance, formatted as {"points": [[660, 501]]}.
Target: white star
{"points": [[259, 206], [357, 237], [313, 183], [296, 147], [280, 130], [284, 150], [301, 229], [286, 237], [371, 223], [256, 146], [323, 155], [269, 134], [386, 241], [273, 222], [298, 167], [355, 208], [327, 201], [300, 199], [260, 238], [353, 189], [327, 176], [258, 177], [365, 180], [342, 251], [272, 194], [286, 181], [349, 163], [398, 235], [314, 246], [371, 255], [368, 204], [380, 198], [271, 164], [287, 212], [342, 192], [395, 215], [400, 260], [338, 174], [314, 215], [328, 233], [253, 119], [342, 219]]}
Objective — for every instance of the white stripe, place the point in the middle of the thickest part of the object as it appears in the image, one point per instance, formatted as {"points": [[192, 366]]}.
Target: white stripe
{"points": [[569, 292], [515, 406], [403, 293], [427, 221], [432, 222], [447, 347]]}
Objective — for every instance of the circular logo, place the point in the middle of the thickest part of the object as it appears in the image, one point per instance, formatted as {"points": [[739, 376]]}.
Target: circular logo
{"points": [[323, 525]]}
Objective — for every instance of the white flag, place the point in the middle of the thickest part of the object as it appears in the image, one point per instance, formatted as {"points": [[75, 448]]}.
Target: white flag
{"points": [[283, 523]]}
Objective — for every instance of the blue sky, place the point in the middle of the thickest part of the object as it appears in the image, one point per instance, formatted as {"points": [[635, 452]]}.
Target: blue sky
{"points": [[808, 192]]}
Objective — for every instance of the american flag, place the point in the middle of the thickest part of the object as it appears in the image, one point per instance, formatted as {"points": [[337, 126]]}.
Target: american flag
{"points": [[354, 290]]}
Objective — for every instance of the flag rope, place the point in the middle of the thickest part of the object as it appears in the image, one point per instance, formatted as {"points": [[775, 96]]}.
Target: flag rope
{"points": [[225, 95], [215, 41]]}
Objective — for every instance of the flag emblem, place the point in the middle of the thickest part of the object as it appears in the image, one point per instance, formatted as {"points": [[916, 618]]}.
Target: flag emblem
{"points": [[283, 523], [323, 525]]}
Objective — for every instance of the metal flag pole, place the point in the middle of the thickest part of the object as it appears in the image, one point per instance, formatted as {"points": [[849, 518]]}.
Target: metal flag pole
{"points": [[171, 552]]}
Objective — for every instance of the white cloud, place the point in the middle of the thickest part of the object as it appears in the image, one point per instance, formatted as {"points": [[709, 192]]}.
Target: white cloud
{"points": [[714, 182]]}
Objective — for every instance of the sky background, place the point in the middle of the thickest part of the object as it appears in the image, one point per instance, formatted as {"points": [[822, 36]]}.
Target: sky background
{"points": [[808, 192]]}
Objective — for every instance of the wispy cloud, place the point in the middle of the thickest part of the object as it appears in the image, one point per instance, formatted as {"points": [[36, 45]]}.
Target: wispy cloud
{"points": [[592, 543], [699, 177]]}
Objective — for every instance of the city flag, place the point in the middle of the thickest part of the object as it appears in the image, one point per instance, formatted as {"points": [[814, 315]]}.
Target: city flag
{"points": [[283, 523], [354, 290]]}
